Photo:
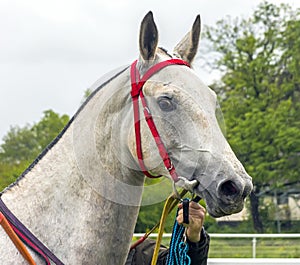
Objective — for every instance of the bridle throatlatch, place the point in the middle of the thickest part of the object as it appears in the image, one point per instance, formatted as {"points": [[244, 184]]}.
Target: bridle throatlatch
{"points": [[137, 83]]}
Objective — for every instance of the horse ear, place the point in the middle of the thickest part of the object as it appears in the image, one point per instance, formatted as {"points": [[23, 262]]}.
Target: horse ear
{"points": [[187, 48], [148, 37]]}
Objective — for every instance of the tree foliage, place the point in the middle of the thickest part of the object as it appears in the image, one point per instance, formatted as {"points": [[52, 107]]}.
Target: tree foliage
{"points": [[260, 91], [21, 145]]}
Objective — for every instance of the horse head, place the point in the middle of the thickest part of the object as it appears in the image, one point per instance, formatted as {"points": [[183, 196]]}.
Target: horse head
{"points": [[184, 112]]}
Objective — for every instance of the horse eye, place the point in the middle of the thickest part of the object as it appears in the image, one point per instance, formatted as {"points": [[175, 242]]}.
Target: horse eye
{"points": [[166, 104]]}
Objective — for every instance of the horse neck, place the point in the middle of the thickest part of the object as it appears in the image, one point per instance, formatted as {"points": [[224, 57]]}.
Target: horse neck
{"points": [[77, 205]]}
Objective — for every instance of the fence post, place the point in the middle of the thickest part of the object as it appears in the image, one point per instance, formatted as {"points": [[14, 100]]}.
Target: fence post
{"points": [[254, 247]]}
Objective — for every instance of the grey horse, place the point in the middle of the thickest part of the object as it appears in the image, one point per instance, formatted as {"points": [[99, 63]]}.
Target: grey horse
{"points": [[81, 196]]}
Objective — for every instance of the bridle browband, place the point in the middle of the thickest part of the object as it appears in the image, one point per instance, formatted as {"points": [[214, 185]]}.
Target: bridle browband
{"points": [[137, 83]]}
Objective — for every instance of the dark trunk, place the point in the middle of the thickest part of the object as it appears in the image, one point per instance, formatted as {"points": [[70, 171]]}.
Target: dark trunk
{"points": [[257, 223]]}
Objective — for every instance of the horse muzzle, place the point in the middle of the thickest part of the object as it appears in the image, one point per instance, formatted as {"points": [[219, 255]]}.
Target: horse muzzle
{"points": [[227, 196]]}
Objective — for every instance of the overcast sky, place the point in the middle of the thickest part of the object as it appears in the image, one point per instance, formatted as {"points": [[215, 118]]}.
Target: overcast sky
{"points": [[51, 51]]}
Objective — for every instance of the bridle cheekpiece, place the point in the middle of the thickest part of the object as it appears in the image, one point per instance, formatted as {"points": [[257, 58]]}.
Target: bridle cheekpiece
{"points": [[137, 83]]}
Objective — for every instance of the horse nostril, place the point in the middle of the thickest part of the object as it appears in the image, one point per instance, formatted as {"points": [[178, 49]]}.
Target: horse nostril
{"points": [[229, 188]]}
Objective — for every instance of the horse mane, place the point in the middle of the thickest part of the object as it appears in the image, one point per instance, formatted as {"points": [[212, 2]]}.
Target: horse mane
{"points": [[98, 85], [165, 51]]}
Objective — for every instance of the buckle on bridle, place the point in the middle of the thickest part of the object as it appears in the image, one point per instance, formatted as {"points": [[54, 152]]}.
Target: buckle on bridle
{"points": [[147, 109], [171, 166]]}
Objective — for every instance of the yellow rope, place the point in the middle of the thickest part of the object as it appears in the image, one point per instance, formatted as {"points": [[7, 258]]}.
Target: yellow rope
{"points": [[170, 203]]}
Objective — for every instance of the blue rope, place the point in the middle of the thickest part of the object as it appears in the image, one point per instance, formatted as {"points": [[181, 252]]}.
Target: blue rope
{"points": [[178, 248]]}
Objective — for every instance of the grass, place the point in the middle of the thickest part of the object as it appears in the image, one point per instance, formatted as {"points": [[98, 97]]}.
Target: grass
{"points": [[242, 247], [265, 248]]}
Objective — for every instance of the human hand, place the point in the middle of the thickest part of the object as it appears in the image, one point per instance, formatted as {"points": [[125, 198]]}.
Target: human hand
{"points": [[196, 220]]}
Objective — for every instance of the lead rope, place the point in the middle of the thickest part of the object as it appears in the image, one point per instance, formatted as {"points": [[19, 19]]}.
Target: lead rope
{"points": [[170, 204], [166, 209], [178, 247], [177, 235], [147, 234]]}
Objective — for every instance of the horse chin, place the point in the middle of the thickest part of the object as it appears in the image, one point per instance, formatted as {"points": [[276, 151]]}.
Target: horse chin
{"points": [[216, 213], [220, 212], [216, 208]]}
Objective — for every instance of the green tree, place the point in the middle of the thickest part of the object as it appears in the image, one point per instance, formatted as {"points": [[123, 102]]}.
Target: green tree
{"points": [[259, 93], [49, 127], [22, 145]]}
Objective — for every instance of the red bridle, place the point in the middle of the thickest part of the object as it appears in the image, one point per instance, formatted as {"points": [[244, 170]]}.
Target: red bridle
{"points": [[137, 83]]}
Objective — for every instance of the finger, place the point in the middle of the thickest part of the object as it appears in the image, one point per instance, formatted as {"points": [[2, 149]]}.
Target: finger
{"points": [[196, 211], [193, 217], [196, 205], [179, 218], [199, 212], [197, 208]]}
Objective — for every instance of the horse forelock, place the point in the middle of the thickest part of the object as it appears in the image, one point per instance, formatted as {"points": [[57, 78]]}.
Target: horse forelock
{"points": [[164, 51]]}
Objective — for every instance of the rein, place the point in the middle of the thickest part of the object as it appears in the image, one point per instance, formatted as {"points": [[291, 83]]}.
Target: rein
{"points": [[26, 237], [15, 239], [137, 83]]}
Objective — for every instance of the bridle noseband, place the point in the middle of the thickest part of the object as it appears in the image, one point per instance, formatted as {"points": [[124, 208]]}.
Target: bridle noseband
{"points": [[137, 83]]}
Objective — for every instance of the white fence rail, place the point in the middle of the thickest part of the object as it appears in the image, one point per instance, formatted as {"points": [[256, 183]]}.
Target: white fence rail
{"points": [[239, 261], [254, 238], [245, 261]]}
